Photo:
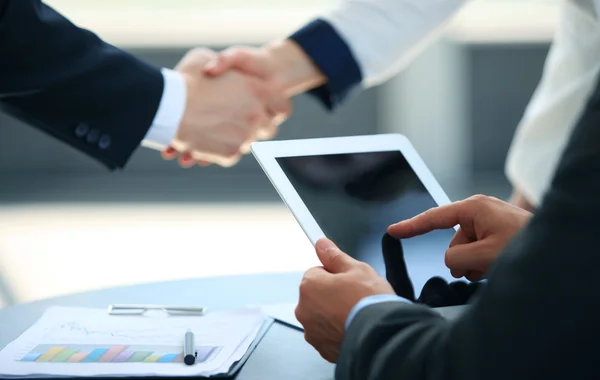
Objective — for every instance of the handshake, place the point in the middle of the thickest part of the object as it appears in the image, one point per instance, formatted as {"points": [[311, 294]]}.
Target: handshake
{"points": [[236, 97]]}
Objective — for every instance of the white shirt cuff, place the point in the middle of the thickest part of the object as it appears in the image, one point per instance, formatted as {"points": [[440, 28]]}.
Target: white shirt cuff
{"points": [[367, 301], [170, 112]]}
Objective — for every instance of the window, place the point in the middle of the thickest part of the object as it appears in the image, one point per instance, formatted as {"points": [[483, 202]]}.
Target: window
{"points": [[190, 22]]}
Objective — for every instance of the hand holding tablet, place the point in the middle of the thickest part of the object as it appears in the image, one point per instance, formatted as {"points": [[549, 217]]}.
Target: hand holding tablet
{"points": [[350, 189]]}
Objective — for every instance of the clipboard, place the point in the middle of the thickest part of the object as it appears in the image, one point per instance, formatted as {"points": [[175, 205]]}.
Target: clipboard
{"points": [[233, 371], [237, 366]]}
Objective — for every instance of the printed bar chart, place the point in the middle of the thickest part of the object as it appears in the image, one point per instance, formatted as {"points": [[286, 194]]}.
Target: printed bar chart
{"points": [[152, 359], [79, 354], [31, 357], [169, 358], [95, 355], [50, 354], [139, 356], [122, 357], [112, 353], [78, 357], [63, 356]]}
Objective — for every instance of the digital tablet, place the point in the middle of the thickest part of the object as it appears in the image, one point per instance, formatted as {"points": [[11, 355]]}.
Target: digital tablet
{"points": [[350, 189]]}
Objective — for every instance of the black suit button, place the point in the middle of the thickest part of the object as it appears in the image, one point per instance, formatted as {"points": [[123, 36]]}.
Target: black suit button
{"points": [[82, 130], [93, 136], [104, 142]]}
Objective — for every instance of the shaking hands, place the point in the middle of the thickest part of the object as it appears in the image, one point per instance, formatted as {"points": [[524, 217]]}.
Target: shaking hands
{"points": [[236, 97]]}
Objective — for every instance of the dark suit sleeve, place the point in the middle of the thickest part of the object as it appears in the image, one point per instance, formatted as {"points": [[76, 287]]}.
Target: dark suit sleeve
{"points": [[333, 56], [75, 87], [536, 318]]}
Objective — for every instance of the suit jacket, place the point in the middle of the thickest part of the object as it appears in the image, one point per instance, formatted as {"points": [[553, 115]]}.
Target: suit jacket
{"points": [[67, 82], [536, 317]]}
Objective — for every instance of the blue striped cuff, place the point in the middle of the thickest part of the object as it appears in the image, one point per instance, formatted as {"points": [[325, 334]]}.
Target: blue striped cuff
{"points": [[332, 55]]}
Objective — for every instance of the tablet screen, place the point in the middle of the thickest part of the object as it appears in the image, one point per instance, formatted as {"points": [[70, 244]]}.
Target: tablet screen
{"points": [[354, 197]]}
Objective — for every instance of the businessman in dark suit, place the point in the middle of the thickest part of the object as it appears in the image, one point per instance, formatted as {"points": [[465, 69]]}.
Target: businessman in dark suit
{"points": [[105, 102], [534, 319]]}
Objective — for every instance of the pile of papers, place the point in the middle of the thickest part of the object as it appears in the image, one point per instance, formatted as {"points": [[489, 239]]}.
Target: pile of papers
{"points": [[68, 342]]}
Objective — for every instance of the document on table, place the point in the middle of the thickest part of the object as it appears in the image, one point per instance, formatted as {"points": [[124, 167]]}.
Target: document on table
{"points": [[283, 312], [90, 342]]}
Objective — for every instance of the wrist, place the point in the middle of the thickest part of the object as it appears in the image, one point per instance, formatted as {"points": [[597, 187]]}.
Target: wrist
{"points": [[295, 71], [169, 113], [187, 117]]}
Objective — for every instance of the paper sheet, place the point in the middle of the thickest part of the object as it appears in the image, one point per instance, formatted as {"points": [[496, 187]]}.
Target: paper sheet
{"points": [[89, 342], [283, 312]]}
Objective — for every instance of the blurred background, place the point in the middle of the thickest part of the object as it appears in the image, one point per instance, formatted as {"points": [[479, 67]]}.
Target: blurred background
{"points": [[68, 225]]}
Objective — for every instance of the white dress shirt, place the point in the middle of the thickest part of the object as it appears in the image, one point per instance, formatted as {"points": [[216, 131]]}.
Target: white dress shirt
{"points": [[569, 76], [169, 113], [384, 35]]}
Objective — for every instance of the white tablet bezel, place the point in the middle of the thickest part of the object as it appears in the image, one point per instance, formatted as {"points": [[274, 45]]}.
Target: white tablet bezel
{"points": [[267, 152]]}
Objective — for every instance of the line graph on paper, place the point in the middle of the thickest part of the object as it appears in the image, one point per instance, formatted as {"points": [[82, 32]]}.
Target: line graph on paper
{"points": [[78, 332], [126, 330], [76, 328]]}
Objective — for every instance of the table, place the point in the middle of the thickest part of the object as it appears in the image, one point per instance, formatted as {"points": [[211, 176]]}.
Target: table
{"points": [[282, 354]]}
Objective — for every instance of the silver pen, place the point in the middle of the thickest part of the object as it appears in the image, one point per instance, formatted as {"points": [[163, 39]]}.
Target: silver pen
{"points": [[189, 348]]}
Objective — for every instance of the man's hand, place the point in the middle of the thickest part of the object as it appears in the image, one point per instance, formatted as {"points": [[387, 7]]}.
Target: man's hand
{"points": [[282, 66], [282, 63], [328, 293], [486, 226], [223, 115]]}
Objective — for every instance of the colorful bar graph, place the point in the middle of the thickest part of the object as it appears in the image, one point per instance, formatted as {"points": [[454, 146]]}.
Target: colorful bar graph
{"points": [[63, 356], [123, 357], [52, 352], [139, 356], [95, 355], [152, 359], [168, 358], [78, 357], [112, 353], [31, 357]]}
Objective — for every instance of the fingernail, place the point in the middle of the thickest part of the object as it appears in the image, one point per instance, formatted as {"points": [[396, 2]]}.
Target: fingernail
{"points": [[210, 65], [325, 245], [186, 159], [169, 154]]}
